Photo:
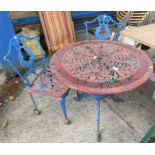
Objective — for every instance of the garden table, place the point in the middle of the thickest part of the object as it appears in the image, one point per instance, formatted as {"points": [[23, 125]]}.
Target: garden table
{"points": [[101, 68]]}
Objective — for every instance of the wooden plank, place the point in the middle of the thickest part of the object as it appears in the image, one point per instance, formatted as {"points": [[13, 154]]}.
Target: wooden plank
{"points": [[143, 34]]}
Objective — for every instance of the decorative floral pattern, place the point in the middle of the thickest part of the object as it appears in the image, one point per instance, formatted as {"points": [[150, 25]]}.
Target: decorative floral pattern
{"points": [[48, 84], [101, 66]]}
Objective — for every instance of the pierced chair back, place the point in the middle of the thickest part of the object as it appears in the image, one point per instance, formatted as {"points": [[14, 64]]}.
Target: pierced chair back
{"points": [[28, 64], [104, 23]]}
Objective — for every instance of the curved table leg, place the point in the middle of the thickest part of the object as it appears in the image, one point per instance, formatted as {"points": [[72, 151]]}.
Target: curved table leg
{"points": [[63, 108]]}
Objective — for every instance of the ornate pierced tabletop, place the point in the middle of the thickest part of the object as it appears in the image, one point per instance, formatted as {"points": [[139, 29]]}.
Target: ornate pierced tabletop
{"points": [[101, 67]]}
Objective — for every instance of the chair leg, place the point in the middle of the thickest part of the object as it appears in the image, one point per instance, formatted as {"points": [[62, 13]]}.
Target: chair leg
{"points": [[36, 110], [78, 95], [117, 99], [63, 108], [98, 120]]}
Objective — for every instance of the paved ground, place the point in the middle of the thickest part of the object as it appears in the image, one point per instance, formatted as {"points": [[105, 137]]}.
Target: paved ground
{"points": [[120, 122]]}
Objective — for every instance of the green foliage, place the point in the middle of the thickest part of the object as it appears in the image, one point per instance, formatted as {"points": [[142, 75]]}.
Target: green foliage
{"points": [[153, 96]]}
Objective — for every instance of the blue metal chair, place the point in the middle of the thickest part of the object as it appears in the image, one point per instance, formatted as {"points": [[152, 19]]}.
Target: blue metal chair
{"points": [[104, 23], [35, 72]]}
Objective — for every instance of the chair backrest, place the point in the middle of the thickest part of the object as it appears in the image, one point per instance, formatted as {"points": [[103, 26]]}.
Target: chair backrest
{"points": [[104, 22], [27, 64]]}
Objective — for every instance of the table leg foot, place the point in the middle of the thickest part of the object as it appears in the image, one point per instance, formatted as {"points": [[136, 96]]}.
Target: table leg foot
{"points": [[67, 121], [99, 136]]}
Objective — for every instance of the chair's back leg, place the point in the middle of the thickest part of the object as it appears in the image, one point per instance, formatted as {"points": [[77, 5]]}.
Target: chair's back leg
{"points": [[36, 110]]}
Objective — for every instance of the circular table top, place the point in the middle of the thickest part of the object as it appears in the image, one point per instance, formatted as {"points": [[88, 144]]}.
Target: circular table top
{"points": [[101, 67]]}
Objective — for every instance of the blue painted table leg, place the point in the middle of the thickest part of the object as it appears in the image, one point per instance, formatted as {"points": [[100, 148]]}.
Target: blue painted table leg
{"points": [[98, 120], [98, 97], [36, 110], [63, 108]]}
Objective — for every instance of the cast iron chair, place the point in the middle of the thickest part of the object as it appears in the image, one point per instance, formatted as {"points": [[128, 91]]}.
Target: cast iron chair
{"points": [[36, 75], [104, 22]]}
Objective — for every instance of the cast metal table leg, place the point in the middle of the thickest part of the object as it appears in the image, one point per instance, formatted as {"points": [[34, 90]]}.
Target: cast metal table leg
{"points": [[63, 108], [99, 136]]}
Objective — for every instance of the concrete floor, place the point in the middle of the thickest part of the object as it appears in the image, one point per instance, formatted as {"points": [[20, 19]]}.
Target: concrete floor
{"points": [[120, 122]]}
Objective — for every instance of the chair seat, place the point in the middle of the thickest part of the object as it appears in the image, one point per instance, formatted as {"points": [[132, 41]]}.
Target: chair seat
{"points": [[48, 84]]}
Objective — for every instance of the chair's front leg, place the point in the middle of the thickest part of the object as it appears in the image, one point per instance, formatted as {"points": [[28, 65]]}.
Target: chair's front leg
{"points": [[36, 110], [63, 108]]}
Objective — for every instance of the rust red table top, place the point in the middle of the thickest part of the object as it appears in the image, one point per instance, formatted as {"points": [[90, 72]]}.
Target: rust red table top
{"points": [[101, 67]]}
